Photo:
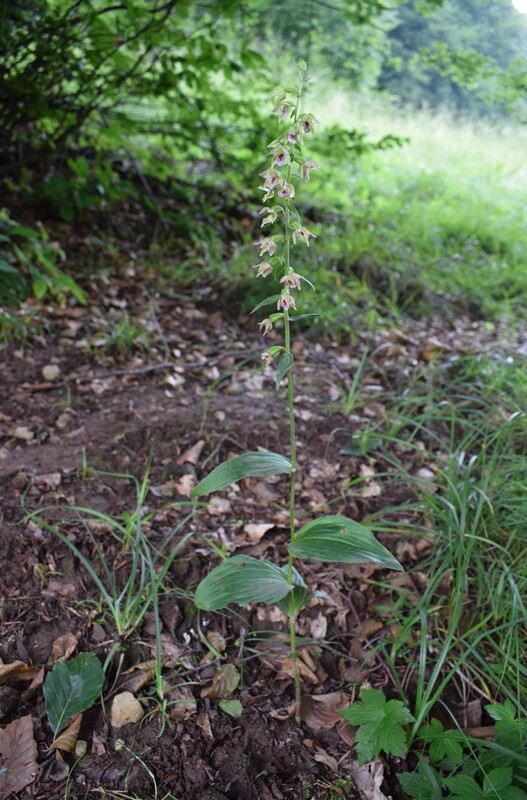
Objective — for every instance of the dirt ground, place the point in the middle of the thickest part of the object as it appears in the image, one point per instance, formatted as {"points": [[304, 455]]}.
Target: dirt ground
{"points": [[82, 410]]}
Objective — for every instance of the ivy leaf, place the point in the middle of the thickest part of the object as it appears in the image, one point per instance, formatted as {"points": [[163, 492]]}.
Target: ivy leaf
{"points": [[380, 725], [248, 465]]}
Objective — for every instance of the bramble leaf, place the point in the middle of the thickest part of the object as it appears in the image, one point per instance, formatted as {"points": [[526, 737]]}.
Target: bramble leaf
{"points": [[464, 788], [425, 784], [337, 538], [502, 711], [241, 580], [443, 744], [248, 465], [380, 725]]}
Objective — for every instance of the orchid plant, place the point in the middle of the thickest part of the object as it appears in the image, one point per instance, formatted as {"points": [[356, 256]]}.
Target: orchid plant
{"points": [[243, 579]]}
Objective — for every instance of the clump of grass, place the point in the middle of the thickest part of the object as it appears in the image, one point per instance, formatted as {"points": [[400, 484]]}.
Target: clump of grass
{"points": [[468, 627], [124, 596]]}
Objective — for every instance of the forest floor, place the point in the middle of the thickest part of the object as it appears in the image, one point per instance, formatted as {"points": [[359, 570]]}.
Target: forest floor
{"points": [[82, 410]]}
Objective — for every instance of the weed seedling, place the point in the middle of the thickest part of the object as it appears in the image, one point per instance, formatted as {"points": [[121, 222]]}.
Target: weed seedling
{"points": [[243, 579]]}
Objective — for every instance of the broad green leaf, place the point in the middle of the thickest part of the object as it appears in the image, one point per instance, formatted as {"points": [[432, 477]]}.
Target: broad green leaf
{"points": [[284, 365], [72, 686], [5, 266], [464, 786], [269, 301], [502, 711], [443, 744], [241, 580], [248, 465], [40, 287], [233, 708], [425, 783], [293, 602], [380, 725], [337, 538], [496, 780]]}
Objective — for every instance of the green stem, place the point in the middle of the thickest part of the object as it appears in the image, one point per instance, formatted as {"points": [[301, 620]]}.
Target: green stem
{"points": [[291, 405]]}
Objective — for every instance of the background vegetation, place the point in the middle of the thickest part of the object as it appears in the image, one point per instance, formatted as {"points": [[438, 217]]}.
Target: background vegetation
{"points": [[151, 119]]}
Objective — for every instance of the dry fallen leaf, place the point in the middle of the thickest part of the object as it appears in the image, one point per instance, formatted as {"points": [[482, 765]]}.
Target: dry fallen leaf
{"points": [[255, 530], [368, 779], [323, 710], [191, 456], [181, 702], [217, 641], [323, 757], [63, 647], [18, 752], [18, 671], [185, 484], [224, 682], [50, 481], [219, 506], [68, 738], [203, 722]]}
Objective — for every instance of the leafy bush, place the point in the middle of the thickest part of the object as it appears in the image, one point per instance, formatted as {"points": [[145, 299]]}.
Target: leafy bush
{"points": [[28, 263]]}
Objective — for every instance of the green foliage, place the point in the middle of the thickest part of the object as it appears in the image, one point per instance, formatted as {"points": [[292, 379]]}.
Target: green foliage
{"points": [[164, 53], [247, 465], [381, 725], [337, 538], [71, 687], [242, 580], [28, 263], [439, 57], [472, 768], [445, 745]]}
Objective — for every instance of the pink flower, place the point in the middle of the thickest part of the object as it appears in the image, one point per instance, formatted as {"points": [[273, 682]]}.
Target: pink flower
{"points": [[264, 268], [303, 234], [293, 135], [287, 190], [266, 245], [291, 281], [308, 122], [282, 109], [281, 156], [285, 301], [266, 325], [307, 166], [271, 177]]}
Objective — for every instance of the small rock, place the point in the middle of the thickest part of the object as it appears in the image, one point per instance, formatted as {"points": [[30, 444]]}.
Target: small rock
{"points": [[24, 433], [51, 372], [125, 709]]}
